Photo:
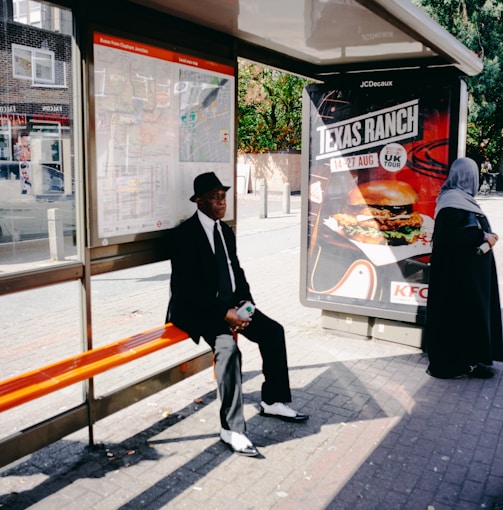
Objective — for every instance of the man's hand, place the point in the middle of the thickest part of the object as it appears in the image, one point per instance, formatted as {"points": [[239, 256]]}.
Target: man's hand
{"points": [[236, 323]]}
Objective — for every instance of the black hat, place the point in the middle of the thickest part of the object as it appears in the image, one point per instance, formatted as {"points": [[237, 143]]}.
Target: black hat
{"points": [[206, 182]]}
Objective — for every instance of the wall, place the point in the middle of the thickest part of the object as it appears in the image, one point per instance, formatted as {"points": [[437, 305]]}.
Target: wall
{"points": [[278, 168]]}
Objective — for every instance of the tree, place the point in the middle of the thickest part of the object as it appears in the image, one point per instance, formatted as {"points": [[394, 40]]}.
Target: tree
{"points": [[478, 25], [269, 109]]}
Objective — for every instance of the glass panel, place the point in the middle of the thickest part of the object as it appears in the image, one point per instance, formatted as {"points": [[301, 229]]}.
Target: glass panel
{"points": [[44, 68], [39, 327], [37, 148], [126, 303]]}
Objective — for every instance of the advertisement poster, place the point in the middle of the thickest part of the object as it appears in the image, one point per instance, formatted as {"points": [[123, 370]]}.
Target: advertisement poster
{"points": [[379, 151], [161, 118]]}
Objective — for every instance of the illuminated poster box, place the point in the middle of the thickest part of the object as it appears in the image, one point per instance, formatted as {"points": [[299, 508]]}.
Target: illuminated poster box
{"points": [[377, 148]]}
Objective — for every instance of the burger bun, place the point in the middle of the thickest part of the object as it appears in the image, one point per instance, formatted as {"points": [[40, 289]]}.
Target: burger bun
{"points": [[383, 193]]}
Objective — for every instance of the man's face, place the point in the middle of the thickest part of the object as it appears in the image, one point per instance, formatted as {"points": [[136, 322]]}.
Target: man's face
{"points": [[213, 204]]}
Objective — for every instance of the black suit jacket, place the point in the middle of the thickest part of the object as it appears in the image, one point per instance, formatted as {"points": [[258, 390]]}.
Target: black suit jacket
{"points": [[194, 305]]}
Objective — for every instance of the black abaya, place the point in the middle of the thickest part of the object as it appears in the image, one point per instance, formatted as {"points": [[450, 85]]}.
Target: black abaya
{"points": [[463, 322]]}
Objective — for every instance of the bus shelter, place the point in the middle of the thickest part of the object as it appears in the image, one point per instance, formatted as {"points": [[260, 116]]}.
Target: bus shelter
{"points": [[108, 110]]}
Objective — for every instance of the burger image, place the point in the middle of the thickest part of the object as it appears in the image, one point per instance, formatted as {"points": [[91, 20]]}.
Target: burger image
{"points": [[381, 212]]}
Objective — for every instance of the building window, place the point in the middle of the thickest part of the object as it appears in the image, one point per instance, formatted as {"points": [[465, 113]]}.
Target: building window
{"points": [[28, 12], [21, 62], [19, 9], [43, 67], [37, 65]]}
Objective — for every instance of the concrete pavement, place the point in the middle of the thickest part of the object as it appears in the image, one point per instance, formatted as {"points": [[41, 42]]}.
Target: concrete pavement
{"points": [[382, 434]]}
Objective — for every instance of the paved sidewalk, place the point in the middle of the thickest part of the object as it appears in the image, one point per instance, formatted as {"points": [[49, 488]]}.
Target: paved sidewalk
{"points": [[382, 434]]}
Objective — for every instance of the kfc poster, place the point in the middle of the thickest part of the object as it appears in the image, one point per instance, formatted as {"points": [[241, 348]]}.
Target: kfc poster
{"points": [[379, 150]]}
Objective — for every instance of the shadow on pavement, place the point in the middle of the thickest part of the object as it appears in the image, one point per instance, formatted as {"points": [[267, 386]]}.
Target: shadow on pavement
{"points": [[398, 439]]}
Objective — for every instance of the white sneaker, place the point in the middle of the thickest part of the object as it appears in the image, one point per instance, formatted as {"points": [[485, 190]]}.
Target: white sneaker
{"points": [[238, 442], [282, 411]]}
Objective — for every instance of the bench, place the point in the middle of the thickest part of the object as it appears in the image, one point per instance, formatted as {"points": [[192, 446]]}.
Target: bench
{"points": [[31, 385]]}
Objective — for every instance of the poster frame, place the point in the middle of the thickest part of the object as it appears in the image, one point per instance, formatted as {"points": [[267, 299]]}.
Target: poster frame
{"points": [[457, 136], [124, 243]]}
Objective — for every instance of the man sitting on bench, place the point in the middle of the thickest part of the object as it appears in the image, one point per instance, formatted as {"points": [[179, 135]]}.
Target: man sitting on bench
{"points": [[207, 287]]}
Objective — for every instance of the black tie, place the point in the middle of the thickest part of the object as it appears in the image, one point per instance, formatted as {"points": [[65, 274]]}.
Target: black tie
{"points": [[224, 279]]}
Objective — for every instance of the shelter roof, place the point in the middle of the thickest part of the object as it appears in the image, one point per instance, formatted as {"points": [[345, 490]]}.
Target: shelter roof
{"points": [[330, 35]]}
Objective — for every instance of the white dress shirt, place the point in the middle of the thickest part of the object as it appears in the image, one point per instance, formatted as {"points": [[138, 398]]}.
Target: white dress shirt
{"points": [[208, 225]]}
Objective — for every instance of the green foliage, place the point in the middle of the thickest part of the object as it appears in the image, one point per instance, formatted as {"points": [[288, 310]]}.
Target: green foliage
{"points": [[270, 106], [269, 109], [478, 24]]}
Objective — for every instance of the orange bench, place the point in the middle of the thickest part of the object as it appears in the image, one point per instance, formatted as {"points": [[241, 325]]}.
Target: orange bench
{"points": [[30, 385]]}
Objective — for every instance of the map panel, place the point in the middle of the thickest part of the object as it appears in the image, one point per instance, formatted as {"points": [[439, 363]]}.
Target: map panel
{"points": [[154, 114], [205, 117]]}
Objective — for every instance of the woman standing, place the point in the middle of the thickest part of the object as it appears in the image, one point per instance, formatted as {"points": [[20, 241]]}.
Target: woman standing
{"points": [[463, 333]]}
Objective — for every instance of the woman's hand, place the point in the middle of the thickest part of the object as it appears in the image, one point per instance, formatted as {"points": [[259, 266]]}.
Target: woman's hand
{"points": [[492, 239]]}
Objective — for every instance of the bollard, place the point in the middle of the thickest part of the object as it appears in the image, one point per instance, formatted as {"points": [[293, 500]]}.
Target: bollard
{"points": [[263, 199], [56, 238], [286, 198]]}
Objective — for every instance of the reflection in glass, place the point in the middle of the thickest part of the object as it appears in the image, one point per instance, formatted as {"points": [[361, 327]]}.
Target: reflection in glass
{"points": [[37, 149]]}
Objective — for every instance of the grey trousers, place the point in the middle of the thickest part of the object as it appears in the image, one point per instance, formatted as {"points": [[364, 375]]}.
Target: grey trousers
{"points": [[269, 335], [228, 374]]}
